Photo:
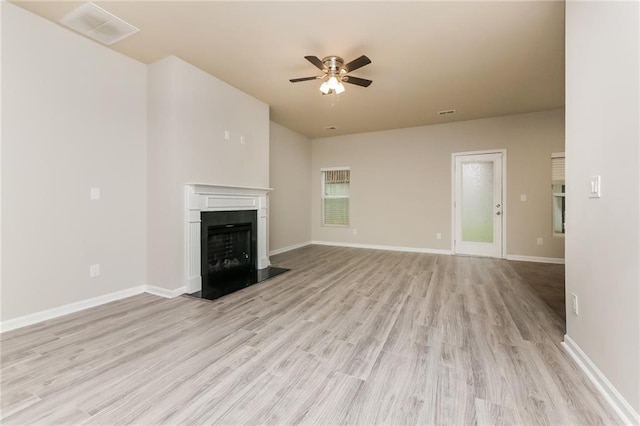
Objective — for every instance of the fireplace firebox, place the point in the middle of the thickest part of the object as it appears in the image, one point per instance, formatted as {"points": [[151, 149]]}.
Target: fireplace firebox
{"points": [[228, 251], [229, 248]]}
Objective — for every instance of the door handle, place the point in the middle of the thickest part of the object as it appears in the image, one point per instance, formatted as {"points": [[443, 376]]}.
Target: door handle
{"points": [[498, 213]]}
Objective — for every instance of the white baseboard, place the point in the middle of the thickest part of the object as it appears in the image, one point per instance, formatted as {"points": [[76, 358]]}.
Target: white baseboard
{"points": [[71, 308], [381, 247], [169, 294], [48, 314], [556, 260], [288, 248], [614, 398]]}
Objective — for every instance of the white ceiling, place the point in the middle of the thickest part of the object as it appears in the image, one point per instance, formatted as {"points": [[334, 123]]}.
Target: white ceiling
{"points": [[481, 58]]}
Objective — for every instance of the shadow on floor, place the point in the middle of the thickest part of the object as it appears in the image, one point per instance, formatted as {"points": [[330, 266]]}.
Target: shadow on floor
{"points": [[547, 280]]}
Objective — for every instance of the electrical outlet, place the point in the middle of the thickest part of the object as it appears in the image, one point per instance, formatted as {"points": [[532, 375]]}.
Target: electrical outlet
{"points": [[574, 304], [355, 231], [438, 236], [539, 241], [94, 270], [243, 139]]}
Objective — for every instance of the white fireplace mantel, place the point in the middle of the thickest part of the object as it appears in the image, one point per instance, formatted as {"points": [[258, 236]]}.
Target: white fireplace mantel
{"points": [[210, 198]]}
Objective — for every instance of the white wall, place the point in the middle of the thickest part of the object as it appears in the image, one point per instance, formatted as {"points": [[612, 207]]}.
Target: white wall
{"points": [[401, 181], [603, 138], [189, 111], [74, 117], [290, 178]]}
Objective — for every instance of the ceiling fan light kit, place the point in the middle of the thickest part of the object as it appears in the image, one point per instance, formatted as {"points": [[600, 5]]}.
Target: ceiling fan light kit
{"points": [[332, 85], [335, 73]]}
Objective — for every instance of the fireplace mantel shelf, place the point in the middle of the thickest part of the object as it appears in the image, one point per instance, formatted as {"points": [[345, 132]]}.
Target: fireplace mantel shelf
{"points": [[207, 187]]}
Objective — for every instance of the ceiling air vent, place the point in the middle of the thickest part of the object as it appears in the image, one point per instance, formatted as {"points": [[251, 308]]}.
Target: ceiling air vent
{"points": [[447, 112], [331, 128], [98, 24]]}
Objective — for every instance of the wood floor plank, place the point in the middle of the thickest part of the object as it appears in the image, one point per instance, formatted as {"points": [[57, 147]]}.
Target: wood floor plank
{"points": [[189, 399], [348, 336], [16, 401], [375, 399], [47, 412], [491, 414], [276, 388], [455, 401], [335, 401]]}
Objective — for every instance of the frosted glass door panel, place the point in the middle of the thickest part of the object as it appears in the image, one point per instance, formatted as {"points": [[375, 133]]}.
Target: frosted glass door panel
{"points": [[478, 214], [477, 202]]}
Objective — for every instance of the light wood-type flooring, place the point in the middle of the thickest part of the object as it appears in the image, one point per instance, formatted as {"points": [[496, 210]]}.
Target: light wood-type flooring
{"points": [[348, 336]]}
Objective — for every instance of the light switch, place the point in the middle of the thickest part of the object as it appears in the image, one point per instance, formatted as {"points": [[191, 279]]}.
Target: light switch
{"points": [[594, 187], [227, 135], [95, 193], [523, 197]]}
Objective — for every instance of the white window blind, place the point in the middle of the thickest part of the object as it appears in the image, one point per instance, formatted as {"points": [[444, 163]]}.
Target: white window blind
{"points": [[557, 168], [558, 192], [335, 197]]}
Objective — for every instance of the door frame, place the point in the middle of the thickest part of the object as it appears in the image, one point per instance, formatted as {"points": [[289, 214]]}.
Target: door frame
{"points": [[503, 152]]}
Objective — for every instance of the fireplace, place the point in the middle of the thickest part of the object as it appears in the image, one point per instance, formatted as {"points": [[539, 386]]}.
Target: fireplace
{"points": [[228, 251], [225, 239]]}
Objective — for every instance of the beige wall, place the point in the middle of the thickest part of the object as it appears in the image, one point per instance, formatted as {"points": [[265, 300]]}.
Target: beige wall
{"points": [[401, 181], [290, 178], [603, 240], [69, 125], [188, 113]]}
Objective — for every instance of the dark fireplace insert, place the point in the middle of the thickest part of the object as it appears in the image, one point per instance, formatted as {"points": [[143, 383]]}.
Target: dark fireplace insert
{"points": [[228, 253]]}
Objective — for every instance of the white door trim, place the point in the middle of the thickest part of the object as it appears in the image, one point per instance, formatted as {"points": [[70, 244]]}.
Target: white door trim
{"points": [[504, 196]]}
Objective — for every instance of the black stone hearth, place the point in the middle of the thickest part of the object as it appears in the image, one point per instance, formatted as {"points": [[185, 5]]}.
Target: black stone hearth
{"points": [[254, 278], [228, 253]]}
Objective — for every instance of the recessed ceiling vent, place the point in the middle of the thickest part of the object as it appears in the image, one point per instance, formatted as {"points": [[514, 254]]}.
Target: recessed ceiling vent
{"points": [[98, 24], [447, 112]]}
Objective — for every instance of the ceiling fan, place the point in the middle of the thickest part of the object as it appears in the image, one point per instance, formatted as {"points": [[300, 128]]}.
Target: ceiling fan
{"points": [[335, 72]]}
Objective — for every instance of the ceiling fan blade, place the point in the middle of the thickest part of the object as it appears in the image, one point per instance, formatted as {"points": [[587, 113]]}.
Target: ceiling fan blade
{"points": [[357, 81], [357, 63], [315, 61], [297, 80]]}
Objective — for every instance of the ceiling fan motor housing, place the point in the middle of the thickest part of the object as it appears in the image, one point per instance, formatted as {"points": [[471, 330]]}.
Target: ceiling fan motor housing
{"points": [[334, 64]]}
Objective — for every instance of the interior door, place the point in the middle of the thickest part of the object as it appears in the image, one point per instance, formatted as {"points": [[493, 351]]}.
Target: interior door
{"points": [[478, 204]]}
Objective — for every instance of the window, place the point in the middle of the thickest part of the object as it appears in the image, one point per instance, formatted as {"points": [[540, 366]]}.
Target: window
{"points": [[558, 192], [335, 197]]}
